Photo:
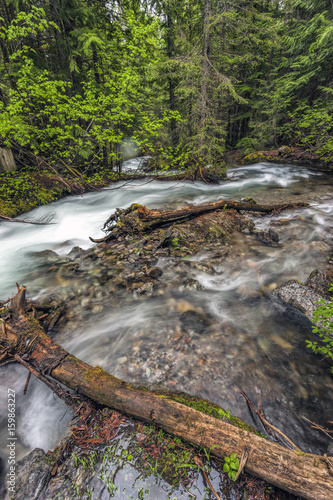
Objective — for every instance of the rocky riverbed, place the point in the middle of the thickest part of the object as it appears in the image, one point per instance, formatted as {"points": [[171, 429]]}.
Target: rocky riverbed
{"points": [[190, 308]]}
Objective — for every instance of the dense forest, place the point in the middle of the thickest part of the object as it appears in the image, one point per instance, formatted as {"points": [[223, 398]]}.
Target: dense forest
{"points": [[186, 80]]}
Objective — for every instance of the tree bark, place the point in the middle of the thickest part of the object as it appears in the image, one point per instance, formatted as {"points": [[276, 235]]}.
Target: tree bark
{"points": [[206, 49], [7, 162], [309, 476], [195, 210]]}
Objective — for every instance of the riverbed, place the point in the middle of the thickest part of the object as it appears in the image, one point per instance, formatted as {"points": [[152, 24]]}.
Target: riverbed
{"points": [[250, 342]]}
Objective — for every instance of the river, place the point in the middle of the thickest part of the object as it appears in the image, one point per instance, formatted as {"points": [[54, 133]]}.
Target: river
{"points": [[254, 343]]}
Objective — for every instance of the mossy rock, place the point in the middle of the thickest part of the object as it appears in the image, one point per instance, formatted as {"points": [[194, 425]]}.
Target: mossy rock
{"points": [[284, 150], [257, 157]]}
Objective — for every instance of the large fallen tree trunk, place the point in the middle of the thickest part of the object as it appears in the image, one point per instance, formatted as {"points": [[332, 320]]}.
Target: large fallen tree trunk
{"points": [[140, 218], [22, 338]]}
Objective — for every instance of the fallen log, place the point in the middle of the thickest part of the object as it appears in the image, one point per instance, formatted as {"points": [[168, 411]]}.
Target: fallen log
{"points": [[305, 475], [140, 218]]}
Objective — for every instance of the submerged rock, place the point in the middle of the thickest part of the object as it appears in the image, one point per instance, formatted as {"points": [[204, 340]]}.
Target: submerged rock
{"points": [[269, 237]]}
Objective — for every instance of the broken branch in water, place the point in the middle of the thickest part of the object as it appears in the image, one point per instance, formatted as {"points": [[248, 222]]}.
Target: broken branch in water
{"points": [[43, 221], [266, 424]]}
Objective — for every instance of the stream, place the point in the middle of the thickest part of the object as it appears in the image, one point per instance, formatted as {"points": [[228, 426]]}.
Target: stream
{"points": [[252, 341]]}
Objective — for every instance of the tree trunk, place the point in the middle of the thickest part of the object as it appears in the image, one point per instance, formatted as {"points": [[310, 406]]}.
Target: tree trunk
{"points": [[309, 476], [206, 49], [7, 162], [195, 210], [171, 79], [150, 219]]}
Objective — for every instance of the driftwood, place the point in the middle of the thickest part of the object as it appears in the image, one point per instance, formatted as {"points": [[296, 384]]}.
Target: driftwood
{"points": [[141, 219], [305, 475]]}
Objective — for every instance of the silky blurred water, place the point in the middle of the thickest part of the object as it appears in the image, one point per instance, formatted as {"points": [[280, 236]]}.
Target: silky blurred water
{"points": [[253, 343]]}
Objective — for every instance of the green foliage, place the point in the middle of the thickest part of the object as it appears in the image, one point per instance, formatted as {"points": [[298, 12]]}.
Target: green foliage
{"points": [[21, 191], [231, 466], [185, 82], [323, 315], [54, 119]]}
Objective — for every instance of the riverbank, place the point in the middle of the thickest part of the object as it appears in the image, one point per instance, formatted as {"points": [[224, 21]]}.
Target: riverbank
{"points": [[26, 189]]}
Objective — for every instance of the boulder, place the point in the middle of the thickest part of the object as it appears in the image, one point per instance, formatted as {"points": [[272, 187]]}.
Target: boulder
{"points": [[32, 475], [304, 297]]}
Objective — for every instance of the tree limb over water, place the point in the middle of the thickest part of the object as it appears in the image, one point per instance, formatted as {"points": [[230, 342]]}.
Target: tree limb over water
{"points": [[43, 221], [22, 338]]}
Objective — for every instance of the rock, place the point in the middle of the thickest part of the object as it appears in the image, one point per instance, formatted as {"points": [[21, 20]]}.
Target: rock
{"points": [[300, 296], [248, 292], [269, 237], [191, 285], [200, 266], [154, 272], [145, 289], [75, 253], [330, 450], [184, 306], [284, 150], [47, 255], [320, 282], [249, 200], [32, 474], [195, 321]]}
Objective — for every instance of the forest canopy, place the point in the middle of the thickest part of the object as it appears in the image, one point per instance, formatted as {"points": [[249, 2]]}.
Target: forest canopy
{"points": [[185, 80]]}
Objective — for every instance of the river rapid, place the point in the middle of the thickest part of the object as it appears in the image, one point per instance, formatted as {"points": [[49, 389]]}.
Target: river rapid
{"points": [[253, 342]]}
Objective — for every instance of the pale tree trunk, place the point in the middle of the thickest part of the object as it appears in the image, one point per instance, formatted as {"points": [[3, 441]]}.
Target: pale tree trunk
{"points": [[7, 162]]}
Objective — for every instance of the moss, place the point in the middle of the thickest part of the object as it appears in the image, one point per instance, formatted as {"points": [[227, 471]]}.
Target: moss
{"points": [[210, 409], [135, 206], [214, 230], [257, 158], [72, 359], [25, 189], [94, 372]]}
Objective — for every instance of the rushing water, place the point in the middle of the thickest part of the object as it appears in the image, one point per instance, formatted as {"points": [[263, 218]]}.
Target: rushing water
{"points": [[252, 343]]}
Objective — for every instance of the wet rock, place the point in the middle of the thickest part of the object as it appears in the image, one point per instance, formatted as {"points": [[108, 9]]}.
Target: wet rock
{"points": [[196, 321], [68, 268], [145, 288], [330, 450], [154, 272], [75, 253], [249, 200], [191, 285], [320, 282], [269, 237], [48, 256], [300, 296], [284, 150], [32, 475], [248, 292], [200, 266]]}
